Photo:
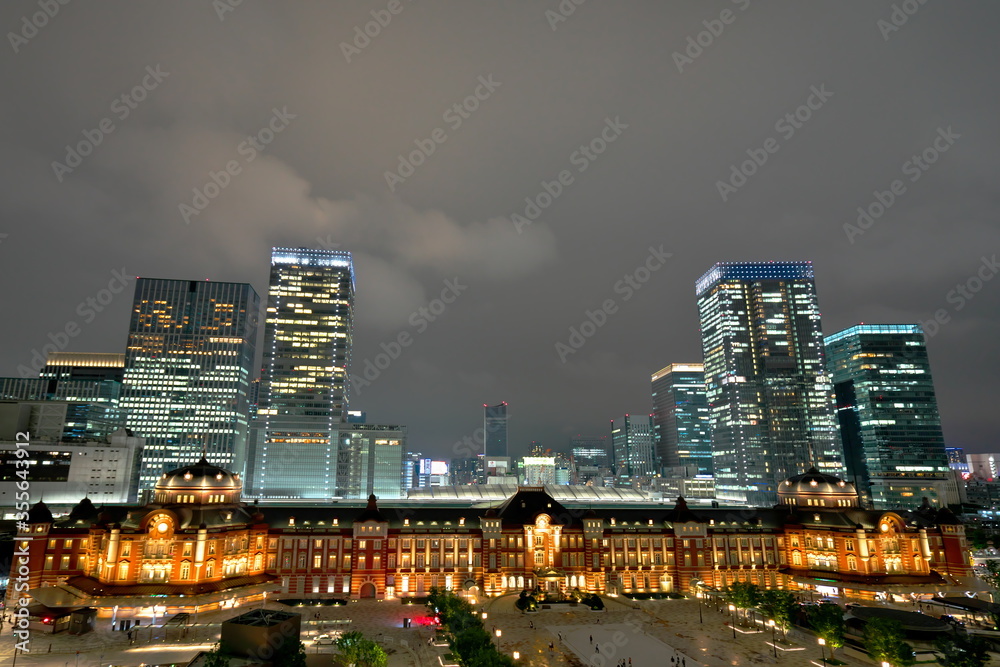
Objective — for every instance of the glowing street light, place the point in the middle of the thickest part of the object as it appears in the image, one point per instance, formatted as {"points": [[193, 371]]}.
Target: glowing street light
{"points": [[774, 641], [484, 615], [516, 655], [732, 623], [822, 647]]}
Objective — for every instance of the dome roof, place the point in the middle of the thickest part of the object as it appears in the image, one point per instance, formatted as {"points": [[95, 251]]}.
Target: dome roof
{"points": [[39, 513], [816, 485], [202, 476]]}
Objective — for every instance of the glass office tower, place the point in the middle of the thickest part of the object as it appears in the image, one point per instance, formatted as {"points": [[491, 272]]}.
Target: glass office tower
{"points": [[188, 362], [680, 417], [495, 427], [770, 400], [370, 460], [889, 422], [632, 447], [304, 385]]}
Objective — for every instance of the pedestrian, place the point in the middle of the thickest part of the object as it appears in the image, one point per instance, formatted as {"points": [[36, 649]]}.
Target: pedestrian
{"points": [[684, 662], [591, 639], [597, 648], [630, 661]]}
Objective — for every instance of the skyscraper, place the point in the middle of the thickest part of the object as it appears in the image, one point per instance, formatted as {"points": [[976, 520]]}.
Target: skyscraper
{"points": [[495, 427], [889, 422], [770, 400], [680, 417], [632, 445], [188, 363], [370, 460], [304, 384]]}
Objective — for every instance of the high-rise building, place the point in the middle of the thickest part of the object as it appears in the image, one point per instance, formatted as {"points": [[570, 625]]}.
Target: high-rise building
{"points": [[188, 366], [539, 470], [680, 417], [589, 450], [889, 421], [770, 400], [370, 460], [85, 366], [632, 445], [467, 470], [495, 427], [304, 384], [956, 459]]}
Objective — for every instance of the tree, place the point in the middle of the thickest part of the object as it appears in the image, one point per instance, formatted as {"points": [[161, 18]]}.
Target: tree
{"points": [[743, 594], [217, 657], [884, 641], [360, 651], [779, 606], [290, 653], [828, 622], [961, 650]]}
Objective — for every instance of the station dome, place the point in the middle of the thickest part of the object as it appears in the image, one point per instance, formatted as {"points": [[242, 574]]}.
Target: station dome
{"points": [[198, 483], [815, 489]]}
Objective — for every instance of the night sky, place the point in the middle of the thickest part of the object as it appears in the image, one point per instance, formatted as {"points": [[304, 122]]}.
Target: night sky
{"points": [[644, 126]]}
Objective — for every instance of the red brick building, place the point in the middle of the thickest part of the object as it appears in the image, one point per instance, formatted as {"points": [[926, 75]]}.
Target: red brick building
{"points": [[199, 547]]}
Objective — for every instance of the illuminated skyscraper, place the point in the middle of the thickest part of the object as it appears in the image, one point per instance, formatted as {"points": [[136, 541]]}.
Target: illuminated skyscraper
{"points": [[770, 400], [303, 389], [889, 422], [680, 417], [495, 427], [191, 346], [632, 445], [370, 460]]}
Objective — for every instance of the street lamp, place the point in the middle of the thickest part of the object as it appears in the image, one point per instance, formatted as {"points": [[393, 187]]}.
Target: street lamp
{"points": [[885, 664], [484, 615], [516, 655], [774, 641], [732, 623], [822, 647]]}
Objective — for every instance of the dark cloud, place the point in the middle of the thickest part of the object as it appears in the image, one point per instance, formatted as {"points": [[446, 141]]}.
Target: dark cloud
{"points": [[321, 181]]}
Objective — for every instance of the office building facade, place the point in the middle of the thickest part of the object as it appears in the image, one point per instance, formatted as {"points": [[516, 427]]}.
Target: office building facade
{"points": [[632, 449], [188, 367], [370, 460], [680, 417], [889, 423], [304, 384], [495, 429], [770, 400]]}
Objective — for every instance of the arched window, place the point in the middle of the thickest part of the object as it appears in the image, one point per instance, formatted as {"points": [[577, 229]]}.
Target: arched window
{"points": [[210, 568], [796, 558], [123, 570], [258, 561], [852, 563], [185, 570]]}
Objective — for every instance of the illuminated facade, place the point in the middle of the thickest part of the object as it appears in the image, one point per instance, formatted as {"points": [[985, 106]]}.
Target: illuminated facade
{"points": [[889, 422], [370, 460], [632, 448], [680, 417], [188, 364], [770, 400], [304, 386], [197, 546]]}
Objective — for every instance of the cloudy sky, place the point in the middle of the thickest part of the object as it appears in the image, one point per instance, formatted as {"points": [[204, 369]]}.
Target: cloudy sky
{"points": [[651, 110]]}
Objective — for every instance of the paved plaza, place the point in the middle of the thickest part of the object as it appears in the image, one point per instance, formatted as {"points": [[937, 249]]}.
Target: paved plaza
{"points": [[648, 632]]}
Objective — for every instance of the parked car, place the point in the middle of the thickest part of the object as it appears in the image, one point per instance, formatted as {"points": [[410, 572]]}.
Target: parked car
{"points": [[325, 640]]}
